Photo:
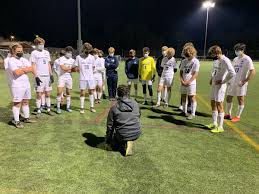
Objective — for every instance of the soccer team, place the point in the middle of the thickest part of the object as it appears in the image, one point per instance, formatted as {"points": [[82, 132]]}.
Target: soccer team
{"points": [[94, 70]]}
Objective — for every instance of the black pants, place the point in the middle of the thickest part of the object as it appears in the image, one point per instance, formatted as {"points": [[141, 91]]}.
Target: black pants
{"points": [[112, 82]]}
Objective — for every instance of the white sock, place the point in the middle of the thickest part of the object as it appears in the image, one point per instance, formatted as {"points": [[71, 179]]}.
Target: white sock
{"points": [[240, 110], [229, 108], [194, 107], [91, 98], [38, 103], [99, 95], [68, 101], [95, 95], [58, 101], [145, 97], [221, 119], [185, 107], [159, 97], [26, 111], [82, 102], [48, 103], [16, 113], [165, 96], [43, 100], [215, 117]]}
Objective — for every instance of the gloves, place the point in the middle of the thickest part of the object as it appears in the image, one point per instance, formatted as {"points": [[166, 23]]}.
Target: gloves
{"points": [[38, 81], [153, 78], [52, 79]]}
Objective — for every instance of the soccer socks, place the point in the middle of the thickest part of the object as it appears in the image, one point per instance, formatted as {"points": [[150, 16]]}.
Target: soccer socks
{"points": [[215, 117], [58, 102], [16, 113], [26, 111], [229, 108], [91, 98], [99, 95], [159, 97], [43, 100], [95, 95], [38, 104], [185, 107], [68, 102], [221, 119], [82, 102], [48, 103], [240, 110], [166, 95], [194, 107]]}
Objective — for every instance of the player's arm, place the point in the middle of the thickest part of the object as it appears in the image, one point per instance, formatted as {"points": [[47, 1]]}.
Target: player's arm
{"points": [[251, 73], [153, 66], [65, 68], [231, 72], [115, 64], [195, 73]]}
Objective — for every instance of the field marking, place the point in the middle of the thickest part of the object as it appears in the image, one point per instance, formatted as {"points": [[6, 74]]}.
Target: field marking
{"points": [[245, 137]]}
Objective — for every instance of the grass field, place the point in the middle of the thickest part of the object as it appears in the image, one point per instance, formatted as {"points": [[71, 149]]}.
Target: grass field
{"points": [[60, 154]]}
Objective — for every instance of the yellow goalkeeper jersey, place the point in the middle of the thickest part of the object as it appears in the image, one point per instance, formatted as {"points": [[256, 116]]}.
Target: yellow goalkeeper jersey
{"points": [[147, 68]]}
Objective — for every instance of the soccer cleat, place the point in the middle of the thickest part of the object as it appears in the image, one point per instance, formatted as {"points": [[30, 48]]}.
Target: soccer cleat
{"points": [[235, 119], [190, 117], [180, 108], [228, 117], [104, 96], [82, 111], [58, 111], [211, 126], [18, 124], [129, 147], [96, 102], [166, 105], [69, 110], [145, 103], [92, 110], [156, 106], [28, 120], [217, 130]]}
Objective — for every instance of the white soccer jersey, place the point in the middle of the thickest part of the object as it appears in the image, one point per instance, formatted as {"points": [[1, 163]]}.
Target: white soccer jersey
{"points": [[221, 69], [86, 67], [242, 67], [168, 67], [188, 67], [99, 69], [14, 64], [67, 62], [41, 59]]}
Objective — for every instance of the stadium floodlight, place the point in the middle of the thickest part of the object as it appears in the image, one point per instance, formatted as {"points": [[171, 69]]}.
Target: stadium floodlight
{"points": [[207, 5], [12, 38], [79, 41]]}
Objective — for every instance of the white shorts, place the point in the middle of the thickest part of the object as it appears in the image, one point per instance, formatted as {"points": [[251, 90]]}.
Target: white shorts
{"points": [[134, 81], [65, 82], [87, 84], [45, 86], [189, 90], [148, 82], [166, 82], [99, 82], [218, 92], [20, 93], [236, 90]]}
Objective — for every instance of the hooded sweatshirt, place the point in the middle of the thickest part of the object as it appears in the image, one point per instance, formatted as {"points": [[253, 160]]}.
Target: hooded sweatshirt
{"points": [[124, 121]]}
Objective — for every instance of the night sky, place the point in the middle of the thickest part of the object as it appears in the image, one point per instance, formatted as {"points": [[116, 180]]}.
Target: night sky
{"points": [[132, 24]]}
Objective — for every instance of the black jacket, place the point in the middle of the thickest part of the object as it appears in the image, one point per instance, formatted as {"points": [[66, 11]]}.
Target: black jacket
{"points": [[159, 69], [124, 121]]}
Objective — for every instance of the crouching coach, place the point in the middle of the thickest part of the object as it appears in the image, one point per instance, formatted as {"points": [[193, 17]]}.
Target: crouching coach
{"points": [[123, 122]]}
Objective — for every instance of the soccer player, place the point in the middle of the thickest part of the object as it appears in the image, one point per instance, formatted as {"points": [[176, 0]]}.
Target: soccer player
{"points": [[111, 64], [166, 80], [147, 69], [188, 73], [123, 122], [65, 79], [245, 71], [20, 84], [85, 65], [159, 68], [131, 70], [101, 54], [40, 60], [222, 72], [98, 75]]}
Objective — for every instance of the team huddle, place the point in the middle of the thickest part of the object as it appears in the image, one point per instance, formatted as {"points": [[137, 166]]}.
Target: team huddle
{"points": [[95, 71]]}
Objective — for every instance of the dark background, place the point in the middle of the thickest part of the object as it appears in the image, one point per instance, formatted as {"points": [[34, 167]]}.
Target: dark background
{"points": [[132, 24]]}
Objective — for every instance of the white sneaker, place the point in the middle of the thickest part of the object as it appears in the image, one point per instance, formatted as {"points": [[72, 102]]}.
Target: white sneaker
{"points": [[82, 111], [180, 108], [166, 105], [69, 110], [156, 106], [59, 111], [92, 110], [190, 117]]}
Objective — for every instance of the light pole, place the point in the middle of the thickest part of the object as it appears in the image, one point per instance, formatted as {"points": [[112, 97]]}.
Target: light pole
{"points": [[207, 5], [79, 41]]}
